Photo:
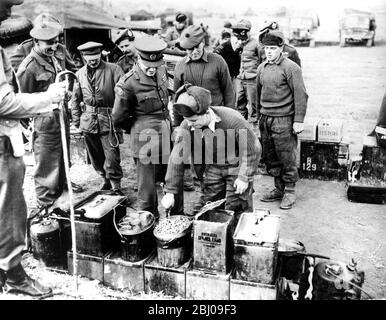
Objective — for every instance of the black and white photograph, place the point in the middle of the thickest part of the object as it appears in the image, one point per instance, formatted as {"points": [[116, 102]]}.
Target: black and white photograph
{"points": [[183, 152]]}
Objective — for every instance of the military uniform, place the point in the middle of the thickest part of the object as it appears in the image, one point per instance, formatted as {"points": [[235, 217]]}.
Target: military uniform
{"points": [[140, 107], [13, 209], [35, 74], [96, 91], [23, 50]]}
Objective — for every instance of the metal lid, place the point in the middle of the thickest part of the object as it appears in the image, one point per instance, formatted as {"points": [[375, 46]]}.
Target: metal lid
{"points": [[98, 206], [254, 228]]}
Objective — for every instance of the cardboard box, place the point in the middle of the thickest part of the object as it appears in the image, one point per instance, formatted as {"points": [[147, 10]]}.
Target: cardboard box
{"points": [[310, 131], [330, 130]]}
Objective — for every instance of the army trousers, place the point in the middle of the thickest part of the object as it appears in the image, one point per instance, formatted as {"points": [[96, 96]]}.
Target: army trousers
{"points": [[279, 145], [148, 175], [246, 95], [13, 209], [218, 183], [104, 157]]}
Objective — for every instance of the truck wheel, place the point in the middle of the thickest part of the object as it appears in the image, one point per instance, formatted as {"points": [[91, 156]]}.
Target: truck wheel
{"points": [[369, 42], [312, 43], [342, 42]]}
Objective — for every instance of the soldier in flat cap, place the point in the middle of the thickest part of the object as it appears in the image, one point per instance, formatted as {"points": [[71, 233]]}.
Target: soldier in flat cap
{"points": [[61, 53], [248, 48], [13, 209], [281, 107], [36, 73], [125, 44], [173, 34], [222, 140], [141, 108], [92, 105], [289, 51]]}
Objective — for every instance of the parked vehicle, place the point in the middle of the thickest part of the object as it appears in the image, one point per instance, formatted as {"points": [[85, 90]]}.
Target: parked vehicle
{"points": [[302, 29], [357, 27]]}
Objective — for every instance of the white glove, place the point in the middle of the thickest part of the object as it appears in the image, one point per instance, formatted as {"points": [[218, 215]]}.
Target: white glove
{"points": [[240, 186], [298, 127], [57, 91], [168, 201]]}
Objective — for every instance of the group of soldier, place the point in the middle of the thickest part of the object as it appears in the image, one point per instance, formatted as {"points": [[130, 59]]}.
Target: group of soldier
{"points": [[207, 133]]}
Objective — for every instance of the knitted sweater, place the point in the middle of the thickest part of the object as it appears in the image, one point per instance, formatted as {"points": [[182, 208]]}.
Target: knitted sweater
{"points": [[233, 144], [281, 90]]}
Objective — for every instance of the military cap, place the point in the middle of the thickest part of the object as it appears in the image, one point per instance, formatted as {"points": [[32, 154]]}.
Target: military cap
{"points": [[227, 24], [243, 25], [44, 31], [273, 38], [150, 50], [186, 106], [191, 37], [90, 48], [47, 18], [125, 34], [181, 17]]}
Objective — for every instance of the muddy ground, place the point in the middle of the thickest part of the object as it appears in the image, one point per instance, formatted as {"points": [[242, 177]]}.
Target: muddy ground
{"points": [[345, 83]]}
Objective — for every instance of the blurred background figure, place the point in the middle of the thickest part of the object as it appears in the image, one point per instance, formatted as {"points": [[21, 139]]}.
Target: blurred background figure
{"points": [[231, 57], [173, 34]]}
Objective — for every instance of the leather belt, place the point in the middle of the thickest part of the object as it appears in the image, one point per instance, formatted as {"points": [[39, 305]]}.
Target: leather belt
{"points": [[97, 109]]}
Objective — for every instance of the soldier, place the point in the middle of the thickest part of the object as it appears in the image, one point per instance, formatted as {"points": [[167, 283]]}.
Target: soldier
{"points": [[125, 44], [173, 34], [140, 107], [61, 53], [93, 102], [37, 71], [205, 136], [245, 81], [282, 104], [288, 50], [231, 57], [13, 209]]}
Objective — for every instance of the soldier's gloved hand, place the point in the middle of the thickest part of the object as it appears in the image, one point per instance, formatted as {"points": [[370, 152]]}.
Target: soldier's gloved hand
{"points": [[168, 201], [240, 186], [298, 127], [57, 91]]}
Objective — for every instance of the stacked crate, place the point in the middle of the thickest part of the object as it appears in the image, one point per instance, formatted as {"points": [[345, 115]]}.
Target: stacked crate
{"points": [[321, 152]]}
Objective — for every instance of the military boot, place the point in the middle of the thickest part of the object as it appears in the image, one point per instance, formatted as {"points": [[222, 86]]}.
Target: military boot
{"points": [[289, 198], [272, 195], [19, 282], [116, 187], [106, 185]]}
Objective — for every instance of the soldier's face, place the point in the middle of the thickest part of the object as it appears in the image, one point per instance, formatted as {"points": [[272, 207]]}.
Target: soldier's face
{"points": [[5, 8], [93, 61], [180, 25], [126, 46], [196, 52], [48, 47], [272, 52], [149, 71], [198, 121]]}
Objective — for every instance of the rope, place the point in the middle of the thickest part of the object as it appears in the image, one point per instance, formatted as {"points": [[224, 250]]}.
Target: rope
{"points": [[112, 132]]}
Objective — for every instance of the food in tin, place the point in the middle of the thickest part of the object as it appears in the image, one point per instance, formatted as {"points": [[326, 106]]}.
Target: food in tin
{"points": [[135, 222], [172, 227]]}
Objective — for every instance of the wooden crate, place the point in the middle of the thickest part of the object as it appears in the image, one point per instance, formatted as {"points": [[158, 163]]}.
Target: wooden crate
{"points": [[205, 286], [246, 290], [323, 160], [171, 281], [121, 274], [87, 265]]}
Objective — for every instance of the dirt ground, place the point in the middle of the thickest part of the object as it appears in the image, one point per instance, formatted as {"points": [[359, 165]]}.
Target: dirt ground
{"points": [[345, 83]]}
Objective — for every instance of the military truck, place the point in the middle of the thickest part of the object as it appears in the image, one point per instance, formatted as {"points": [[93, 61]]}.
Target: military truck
{"points": [[302, 30], [357, 26]]}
